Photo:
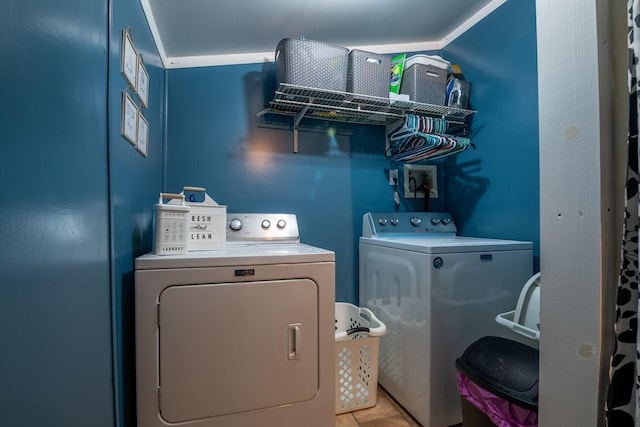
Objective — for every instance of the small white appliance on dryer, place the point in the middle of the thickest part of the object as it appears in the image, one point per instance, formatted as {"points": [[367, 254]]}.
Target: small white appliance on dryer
{"points": [[242, 336], [436, 292]]}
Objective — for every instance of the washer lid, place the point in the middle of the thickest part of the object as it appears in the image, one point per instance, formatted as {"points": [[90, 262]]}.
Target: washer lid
{"points": [[239, 254], [432, 244]]}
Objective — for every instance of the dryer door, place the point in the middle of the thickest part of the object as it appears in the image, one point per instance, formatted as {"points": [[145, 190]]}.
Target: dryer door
{"points": [[235, 347]]}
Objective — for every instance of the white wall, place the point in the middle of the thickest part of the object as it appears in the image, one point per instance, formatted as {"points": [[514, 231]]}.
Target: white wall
{"points": [[577, 214]]}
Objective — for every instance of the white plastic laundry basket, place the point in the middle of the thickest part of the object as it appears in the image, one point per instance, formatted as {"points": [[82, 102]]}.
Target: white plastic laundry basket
{"points": [[357, 332], [525, 319]]}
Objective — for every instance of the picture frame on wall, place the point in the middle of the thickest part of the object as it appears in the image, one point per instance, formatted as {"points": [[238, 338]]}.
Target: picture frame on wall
{"points": [[142, 135], [129, 120], [129, 66], [143, 83]]}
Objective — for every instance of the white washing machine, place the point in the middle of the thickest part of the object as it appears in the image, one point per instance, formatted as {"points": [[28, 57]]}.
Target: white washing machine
{"points": [[243, 336], [436, 292]]}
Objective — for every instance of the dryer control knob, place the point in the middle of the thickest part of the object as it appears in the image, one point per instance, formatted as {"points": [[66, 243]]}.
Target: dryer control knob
{"points": [[235, 224], [382, 221], [435, 221], [395, 221], [281, 223], [446, 220], [415, 221], [265, 224]]}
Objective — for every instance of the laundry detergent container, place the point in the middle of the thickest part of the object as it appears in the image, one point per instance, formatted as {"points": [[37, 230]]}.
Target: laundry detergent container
{"points": [[498, 383]]}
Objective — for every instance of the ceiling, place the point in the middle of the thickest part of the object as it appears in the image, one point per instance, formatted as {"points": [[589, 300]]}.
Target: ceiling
{"points": [[192, 33]]}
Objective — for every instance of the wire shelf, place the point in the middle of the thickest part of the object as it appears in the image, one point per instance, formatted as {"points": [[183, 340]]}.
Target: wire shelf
{"points": [[304, 102]]}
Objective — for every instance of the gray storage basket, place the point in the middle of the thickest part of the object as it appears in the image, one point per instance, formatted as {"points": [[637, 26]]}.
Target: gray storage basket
{"points": [[368, 73], [425, 84], [312, 64]]}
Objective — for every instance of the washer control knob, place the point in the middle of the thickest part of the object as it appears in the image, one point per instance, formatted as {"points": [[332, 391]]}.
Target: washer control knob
{"points": [[446, 220], [435, 221], [281, 224], [382, 221], [415, 221], [265, 224], [394, 221], [235, 224]]}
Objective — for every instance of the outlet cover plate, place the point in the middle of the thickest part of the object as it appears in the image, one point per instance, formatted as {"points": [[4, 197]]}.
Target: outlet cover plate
{"points": [[418, 174], [393, 173]]}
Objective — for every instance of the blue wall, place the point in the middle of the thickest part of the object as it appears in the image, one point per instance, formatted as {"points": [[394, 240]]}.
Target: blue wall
{"points": [[135, 182], [78, 210], [55, 333], [215, 142], [78, 199], [494, 191]]}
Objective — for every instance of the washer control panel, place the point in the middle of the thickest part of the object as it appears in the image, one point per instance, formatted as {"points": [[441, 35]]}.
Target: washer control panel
{"points": [[407, 223], [269, 227]]}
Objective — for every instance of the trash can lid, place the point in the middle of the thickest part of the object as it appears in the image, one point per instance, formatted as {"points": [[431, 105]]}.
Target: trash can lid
{"points": [[506, 368]]}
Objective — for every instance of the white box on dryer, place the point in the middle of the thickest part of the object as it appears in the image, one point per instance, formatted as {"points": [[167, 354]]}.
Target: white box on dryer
{"points": [[206, 221]]}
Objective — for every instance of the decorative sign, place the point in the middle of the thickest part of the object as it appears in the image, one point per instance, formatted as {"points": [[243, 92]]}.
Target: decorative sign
{"points": [[129, 120], [129, 59], [143, 83], [143, 134]]}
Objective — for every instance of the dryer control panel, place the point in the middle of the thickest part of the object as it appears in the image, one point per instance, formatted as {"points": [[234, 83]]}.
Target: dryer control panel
{"points": [[407, 223], [262, 227]]}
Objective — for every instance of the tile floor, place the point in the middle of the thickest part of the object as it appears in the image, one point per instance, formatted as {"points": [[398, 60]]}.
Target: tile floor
{"points": [[386, 413]]}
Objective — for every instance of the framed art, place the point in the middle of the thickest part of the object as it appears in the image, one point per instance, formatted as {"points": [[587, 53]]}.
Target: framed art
{"points": [[129, 118], [143, 135], [129, 59], [143, 83]]}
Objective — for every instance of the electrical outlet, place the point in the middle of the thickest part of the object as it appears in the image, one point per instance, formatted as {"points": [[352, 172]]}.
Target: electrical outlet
{"points": [[393, 176], [419, 177]]}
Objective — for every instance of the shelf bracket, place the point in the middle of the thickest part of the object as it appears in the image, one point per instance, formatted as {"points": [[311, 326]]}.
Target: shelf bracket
{"points": [[296, 122]]}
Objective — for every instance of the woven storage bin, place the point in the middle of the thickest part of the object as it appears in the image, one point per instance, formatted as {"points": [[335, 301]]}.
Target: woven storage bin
{"points": [[312, 64], [425, 83], [368, 73]]}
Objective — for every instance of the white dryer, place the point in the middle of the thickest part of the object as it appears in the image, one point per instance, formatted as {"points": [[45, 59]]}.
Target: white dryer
{"points": [[242, 336], [436, 292]]}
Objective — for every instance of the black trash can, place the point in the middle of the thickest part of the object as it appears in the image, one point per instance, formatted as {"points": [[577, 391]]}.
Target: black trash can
{"points": [[498, 383]]}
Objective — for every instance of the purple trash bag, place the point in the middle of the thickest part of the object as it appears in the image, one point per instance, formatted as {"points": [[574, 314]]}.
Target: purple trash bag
{"points": [[502, 412]]}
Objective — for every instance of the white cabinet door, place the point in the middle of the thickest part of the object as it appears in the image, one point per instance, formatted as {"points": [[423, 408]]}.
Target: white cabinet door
{"points": [[235, 347]]}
